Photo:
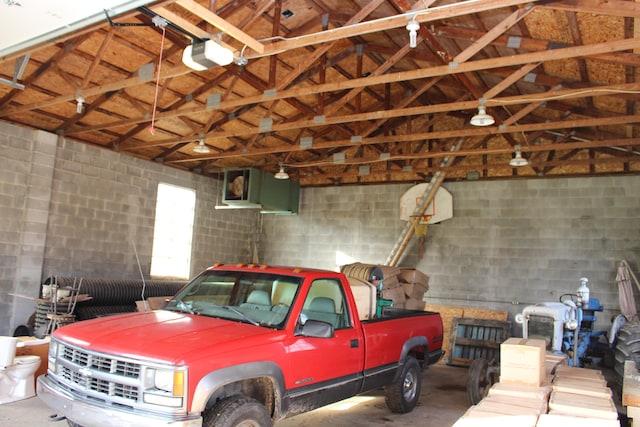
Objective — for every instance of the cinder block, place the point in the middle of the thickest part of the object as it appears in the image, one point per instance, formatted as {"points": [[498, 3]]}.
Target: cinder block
{"points": [[522, 361]]}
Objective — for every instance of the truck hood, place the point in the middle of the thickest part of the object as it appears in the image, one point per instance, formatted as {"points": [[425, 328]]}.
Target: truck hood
{"points": [[159, 336]]}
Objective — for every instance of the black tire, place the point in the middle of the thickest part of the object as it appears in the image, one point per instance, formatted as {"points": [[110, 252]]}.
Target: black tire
{"points": [[627, 348], [402, 396], [479, 380], [237, 411]]}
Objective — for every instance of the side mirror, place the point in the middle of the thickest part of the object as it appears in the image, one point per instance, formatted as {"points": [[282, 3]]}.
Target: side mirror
{"points": [[315, 329]]}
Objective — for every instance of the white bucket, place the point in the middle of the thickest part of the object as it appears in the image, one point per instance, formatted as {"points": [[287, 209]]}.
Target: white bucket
{"points": [[7, 351]]}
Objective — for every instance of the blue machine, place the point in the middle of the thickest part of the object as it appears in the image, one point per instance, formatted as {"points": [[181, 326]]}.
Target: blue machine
{"points": [[587, 337], [567, 326]]}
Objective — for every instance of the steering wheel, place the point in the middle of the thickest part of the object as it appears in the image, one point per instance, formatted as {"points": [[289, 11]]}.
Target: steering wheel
{"points": [[571, 300]]}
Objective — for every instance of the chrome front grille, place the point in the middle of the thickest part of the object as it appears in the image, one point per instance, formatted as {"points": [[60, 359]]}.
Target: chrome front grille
{"points": [[99, 376], [119, 382]]}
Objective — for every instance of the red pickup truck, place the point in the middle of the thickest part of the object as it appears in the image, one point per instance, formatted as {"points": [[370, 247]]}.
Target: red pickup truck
{"points": [[239, 345]]}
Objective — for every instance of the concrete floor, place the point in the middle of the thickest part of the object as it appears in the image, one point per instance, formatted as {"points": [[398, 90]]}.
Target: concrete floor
{"points": [[443, 400]]}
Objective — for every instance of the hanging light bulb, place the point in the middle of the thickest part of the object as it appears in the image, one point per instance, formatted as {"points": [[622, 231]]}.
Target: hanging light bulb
{"points": [[80, 101], [482, 118], [281, 174], [518, 160], [201, 148], [413, 26]]}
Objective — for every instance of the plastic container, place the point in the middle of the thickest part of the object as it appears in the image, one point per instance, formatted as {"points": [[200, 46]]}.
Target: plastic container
{"points": [[583, 291]]}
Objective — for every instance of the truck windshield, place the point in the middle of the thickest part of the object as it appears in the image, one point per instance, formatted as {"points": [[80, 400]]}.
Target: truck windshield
{"points": [[257, 298]]}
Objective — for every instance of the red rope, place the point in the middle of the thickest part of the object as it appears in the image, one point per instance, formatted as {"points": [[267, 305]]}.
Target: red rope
{"points": [[152, 129]]}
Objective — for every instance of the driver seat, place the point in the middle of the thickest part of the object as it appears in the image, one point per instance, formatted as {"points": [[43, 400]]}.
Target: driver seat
{"points": [[258, 300]]}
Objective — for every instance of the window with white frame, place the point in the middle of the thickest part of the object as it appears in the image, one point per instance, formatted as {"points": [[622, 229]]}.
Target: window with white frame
{"points": [[173, 231]]}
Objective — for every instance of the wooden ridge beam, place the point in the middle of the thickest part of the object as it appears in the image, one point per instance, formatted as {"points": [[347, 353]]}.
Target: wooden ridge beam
{"points": [[443, 70]]}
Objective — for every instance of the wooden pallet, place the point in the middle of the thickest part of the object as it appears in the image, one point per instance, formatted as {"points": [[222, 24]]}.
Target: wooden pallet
{"points": [[472, 339]]}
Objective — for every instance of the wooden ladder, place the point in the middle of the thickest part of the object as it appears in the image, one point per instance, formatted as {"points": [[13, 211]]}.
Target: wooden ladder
{"points": [[427, 197]]}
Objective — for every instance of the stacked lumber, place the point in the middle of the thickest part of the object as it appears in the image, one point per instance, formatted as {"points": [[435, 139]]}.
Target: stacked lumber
{"points": [[537, 389], [579, 392]]}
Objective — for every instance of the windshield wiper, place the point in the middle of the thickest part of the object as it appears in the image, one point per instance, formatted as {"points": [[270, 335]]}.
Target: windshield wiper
{"points": [[239, 313]]}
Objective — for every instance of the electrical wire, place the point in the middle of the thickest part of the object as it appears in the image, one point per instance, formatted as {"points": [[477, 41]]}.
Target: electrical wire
{"points": [[152, 129], [524, 99]]}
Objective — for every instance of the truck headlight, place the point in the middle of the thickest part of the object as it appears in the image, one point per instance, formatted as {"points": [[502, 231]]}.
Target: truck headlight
{"points": [[165, 387]]}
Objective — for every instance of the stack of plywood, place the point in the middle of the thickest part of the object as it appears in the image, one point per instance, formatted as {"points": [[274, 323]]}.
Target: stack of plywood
{"points": [[537, 389], [415, 284]]}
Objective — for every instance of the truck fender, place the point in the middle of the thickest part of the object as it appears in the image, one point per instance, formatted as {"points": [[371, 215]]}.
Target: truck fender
{"points": [[412, 343], [213, 381]]}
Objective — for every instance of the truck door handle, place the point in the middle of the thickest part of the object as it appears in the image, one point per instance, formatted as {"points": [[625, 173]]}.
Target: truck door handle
{"points": [[355, 343]]}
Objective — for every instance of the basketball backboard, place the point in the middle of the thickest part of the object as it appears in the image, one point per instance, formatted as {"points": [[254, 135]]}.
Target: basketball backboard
{"points": [[440, 208]]}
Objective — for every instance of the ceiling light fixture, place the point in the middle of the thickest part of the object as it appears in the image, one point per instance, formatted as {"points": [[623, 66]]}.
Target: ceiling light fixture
{"points": [[281, 174], [203, 55], [80, 101], [201, 148], [518, 160], [482, 118], [413, 26]]}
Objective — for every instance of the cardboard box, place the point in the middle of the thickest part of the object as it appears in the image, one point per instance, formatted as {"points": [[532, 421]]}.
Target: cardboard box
{"points": [[414, 304], [411, 275], [522, 361], [394, 294]]}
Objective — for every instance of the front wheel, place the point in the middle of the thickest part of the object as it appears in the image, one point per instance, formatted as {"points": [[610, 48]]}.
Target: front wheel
{"points": [[237, 411], [403, 394]]}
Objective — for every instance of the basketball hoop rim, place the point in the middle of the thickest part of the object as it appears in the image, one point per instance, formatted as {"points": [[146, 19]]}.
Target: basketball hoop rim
{"points": [[420, 219]]}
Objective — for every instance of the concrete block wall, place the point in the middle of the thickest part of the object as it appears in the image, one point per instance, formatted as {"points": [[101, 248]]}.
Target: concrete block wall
{"points": [[509, 244], [73, 209]]}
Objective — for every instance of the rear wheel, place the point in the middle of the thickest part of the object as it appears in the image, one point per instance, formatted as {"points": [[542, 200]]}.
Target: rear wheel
{"points": [[402, 396], [237, 411], [480, 379], [627, 348]]}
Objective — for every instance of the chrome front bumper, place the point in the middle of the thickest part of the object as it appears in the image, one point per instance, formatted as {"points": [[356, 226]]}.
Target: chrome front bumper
{"points": [[87, 414]]}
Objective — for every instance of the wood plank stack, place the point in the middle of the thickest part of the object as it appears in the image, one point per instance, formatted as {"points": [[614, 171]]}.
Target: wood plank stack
{"points": [[539, 390]]}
